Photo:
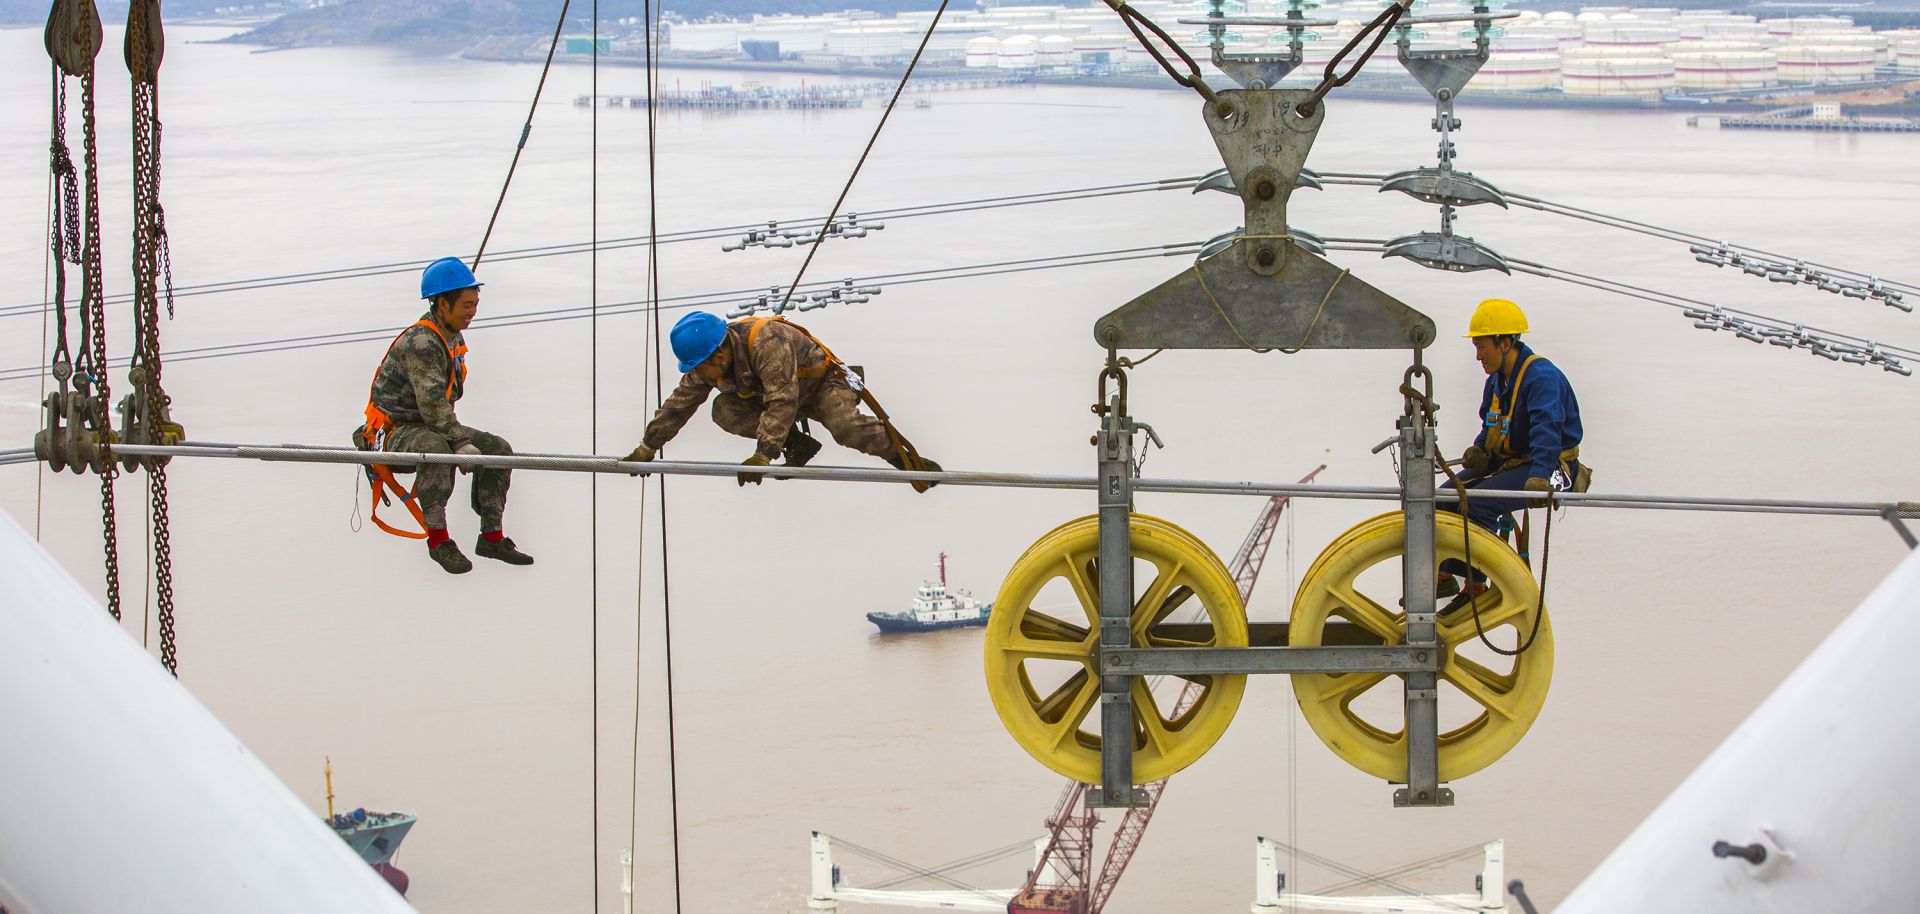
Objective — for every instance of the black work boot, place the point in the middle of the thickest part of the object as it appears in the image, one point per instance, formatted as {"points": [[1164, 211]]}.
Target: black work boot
{"points": [[799, 448], [450, 558], [502, 551]]}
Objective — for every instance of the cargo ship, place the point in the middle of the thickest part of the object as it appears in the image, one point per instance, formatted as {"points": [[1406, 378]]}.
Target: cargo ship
{"points": [[935, 608], [375, 836]]}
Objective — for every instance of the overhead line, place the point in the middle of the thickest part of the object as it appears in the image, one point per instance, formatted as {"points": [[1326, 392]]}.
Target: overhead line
{"points": [[632, 241]]}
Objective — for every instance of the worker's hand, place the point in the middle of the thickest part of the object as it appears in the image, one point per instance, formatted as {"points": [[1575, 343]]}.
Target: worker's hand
{"points": [[1476, 459], [757, 460], [1536, 484], [467, 450], [640, 454]]}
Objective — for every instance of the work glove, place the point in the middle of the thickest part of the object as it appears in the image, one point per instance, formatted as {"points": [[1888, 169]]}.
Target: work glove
{"points": [[467, 450], [1536, 484], [757, 460], [1476, 459], [640, 454]]}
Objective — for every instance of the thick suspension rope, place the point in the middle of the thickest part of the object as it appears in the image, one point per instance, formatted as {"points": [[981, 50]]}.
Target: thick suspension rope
{"points": [[146, 411], [526, 130]]}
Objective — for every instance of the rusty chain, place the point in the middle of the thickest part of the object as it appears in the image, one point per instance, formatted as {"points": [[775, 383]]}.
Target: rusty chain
{"points": [[63, 230], [149, 402], [93, 372]]}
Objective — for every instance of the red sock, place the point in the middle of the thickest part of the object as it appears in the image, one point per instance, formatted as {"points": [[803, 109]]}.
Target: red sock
{"points": [[436, 536], [493, 536]]}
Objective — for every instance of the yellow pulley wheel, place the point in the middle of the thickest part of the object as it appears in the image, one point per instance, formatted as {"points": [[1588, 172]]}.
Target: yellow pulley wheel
{"points": [[1493, 699], [1042, 644]]}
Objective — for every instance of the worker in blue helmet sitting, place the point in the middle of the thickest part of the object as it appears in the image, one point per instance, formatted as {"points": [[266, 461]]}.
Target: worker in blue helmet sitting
{"points": [[1529, 437], [772, 375], [410, 410]]}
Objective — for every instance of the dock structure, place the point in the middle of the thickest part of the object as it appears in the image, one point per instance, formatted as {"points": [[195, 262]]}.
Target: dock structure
{"points": [[1823, 117], [751, 96]]}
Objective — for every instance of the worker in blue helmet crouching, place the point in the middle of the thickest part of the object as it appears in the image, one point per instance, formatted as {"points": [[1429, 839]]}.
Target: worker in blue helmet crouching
{"points": [[1529, 437], [772, 375], [410, 411]]}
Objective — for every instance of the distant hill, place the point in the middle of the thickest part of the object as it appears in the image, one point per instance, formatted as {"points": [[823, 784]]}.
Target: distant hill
{"points": [[400, 21]]}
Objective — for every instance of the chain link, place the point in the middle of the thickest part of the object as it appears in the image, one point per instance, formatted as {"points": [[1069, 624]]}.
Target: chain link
{"points": [[92, 376], [151, 261]]}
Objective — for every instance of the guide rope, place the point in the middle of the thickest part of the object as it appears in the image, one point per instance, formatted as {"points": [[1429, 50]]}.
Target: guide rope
{"points": [[526, 130], [848, 187]]}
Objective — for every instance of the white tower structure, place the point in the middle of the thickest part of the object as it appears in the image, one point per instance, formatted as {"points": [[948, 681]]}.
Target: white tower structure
{"points": [[120, 792], [1804, 807]]}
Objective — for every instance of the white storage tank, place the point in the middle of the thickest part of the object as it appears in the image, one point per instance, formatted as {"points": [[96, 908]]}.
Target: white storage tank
{"points": [[1699, 46], [1906, 52], [1731, 29], [1875, 43], [1819, 63], [1604, 11], [1021, 52], [1783, 29], [1622, 72], [1748, 68], [1634, 34], [1657, 14], [1518, 72], [983, 52], [1526, 41], [1056, 51]]}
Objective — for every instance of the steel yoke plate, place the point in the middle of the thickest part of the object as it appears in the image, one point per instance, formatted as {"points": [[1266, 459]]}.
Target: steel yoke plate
{"points": [[1268, 287]]}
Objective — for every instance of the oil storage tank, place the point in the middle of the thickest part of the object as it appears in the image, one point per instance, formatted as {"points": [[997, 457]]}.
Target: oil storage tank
{"points": [[982, 53], [1616, 72], [1519, 72], [1742, 68], [1819, 63], [1875, 43]]}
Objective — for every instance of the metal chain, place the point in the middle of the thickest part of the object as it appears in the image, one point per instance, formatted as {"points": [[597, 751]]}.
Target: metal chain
{"points": [[93, 373], [149, 253], [63, 230]]}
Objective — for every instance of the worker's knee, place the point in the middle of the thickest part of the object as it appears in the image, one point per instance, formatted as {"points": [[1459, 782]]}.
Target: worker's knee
{"points": [[490, 443], [736, 415]]}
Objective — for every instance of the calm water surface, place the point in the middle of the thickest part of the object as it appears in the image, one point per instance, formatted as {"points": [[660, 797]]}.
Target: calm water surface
{"points": [[472, 701]]}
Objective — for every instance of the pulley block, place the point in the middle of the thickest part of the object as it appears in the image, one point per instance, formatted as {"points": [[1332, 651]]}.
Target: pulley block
{"points": [[1042, 649], [1487, 702], [74, 429]]}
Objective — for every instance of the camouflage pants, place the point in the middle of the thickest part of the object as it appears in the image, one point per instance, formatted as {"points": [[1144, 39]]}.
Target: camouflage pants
{"points": [[435, 484], [833, 405]]}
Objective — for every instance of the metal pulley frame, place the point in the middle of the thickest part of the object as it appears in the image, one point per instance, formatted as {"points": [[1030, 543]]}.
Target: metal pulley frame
{"points": [[1262, 289], [1256, 69]]}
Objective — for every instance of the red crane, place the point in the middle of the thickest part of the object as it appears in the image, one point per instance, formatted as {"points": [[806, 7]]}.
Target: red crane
{"points": [[1059, 883]]}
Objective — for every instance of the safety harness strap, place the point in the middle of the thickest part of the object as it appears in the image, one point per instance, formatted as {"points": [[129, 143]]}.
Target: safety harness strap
{"points": [[374, 434]]}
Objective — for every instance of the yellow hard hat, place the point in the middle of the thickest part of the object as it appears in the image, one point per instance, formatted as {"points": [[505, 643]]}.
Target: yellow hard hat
{"points": [[1496, 317]]}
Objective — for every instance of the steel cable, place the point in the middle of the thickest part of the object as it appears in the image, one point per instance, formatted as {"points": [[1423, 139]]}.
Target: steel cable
{"points": [[862, 161], [527, 129]]}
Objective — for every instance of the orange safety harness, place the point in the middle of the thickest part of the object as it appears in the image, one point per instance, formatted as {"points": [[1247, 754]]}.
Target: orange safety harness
{"points": [[909, 455], [373, 436]]}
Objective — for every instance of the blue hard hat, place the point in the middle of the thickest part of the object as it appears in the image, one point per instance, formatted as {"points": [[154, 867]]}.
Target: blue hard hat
{"points": [[447, 274], [695, 337]]}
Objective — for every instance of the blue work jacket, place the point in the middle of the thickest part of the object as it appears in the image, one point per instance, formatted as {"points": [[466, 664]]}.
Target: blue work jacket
{"points": [[1542, 423]]}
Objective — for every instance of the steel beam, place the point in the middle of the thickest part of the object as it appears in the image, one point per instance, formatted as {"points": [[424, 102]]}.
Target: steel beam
{"points": [[1195, 661]]}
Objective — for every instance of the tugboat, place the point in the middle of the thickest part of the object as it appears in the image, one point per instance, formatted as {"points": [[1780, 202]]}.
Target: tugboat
{"points": [[934, 608], [375, 836]]}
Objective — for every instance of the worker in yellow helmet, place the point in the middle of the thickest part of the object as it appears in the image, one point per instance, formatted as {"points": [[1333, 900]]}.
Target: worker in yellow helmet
{"points": [[1530, 424]]}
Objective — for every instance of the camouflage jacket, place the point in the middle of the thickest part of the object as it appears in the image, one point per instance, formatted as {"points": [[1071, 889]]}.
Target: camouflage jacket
{"points": [[412, 385], [782, 369]]}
